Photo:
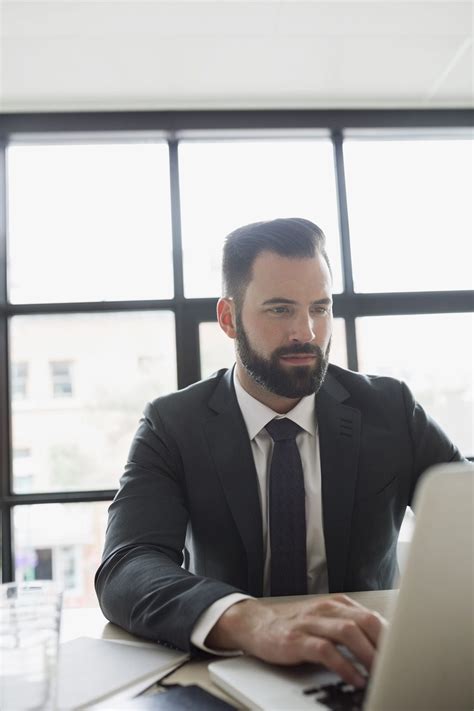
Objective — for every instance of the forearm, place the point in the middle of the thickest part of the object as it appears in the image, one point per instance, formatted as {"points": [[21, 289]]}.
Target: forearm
{"points": [[148, 594]]}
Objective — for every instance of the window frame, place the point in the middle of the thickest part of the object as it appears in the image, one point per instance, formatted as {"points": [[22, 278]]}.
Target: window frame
{"points": [[172, 126]]}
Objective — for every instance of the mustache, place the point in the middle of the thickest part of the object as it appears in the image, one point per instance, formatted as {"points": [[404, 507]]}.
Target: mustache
{"points": [[303, 348]]}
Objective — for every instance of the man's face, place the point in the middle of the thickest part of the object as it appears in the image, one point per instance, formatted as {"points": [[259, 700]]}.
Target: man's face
{"points": [[283, 332]]}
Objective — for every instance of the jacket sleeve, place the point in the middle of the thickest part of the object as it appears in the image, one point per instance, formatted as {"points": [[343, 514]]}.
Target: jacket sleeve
{"points": [[430, 444], [140, 583]]}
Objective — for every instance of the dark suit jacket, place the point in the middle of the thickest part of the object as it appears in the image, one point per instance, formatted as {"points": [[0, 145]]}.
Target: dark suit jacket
{"points": [[190, 491]]}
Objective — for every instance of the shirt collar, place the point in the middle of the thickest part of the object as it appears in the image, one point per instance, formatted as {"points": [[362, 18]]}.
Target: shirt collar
{"points": [[257, 415]]}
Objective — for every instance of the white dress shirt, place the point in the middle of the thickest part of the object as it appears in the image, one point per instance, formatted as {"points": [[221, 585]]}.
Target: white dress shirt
{"points": [[256, 416]]}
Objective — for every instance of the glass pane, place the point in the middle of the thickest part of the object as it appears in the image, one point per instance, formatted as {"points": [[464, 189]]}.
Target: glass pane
{"points": [[434, 355], [225, 185], [410, 213], [89, 222], [217, 350], [61, 542], [73, 429]]}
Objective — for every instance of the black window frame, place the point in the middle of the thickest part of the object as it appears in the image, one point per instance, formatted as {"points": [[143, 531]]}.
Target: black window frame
{"points": [[172, 126]]}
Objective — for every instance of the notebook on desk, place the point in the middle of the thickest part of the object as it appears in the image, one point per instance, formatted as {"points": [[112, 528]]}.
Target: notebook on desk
{"points": [[91, 671], [425, 662]]}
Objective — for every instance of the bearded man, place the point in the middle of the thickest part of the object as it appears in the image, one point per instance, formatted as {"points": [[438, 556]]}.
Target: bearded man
{"points": [[282, 476]]}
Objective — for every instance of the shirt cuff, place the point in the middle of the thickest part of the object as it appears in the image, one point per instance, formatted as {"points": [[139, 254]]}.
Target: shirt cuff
{"points": [[209, 618]]}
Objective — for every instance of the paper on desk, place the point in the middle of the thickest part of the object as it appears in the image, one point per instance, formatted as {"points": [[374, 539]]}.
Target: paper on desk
{"points": [[91, 670]]}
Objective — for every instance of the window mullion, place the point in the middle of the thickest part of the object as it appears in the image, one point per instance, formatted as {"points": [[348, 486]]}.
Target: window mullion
{"points": [[343, 212], [5, 433], [176, 221]]}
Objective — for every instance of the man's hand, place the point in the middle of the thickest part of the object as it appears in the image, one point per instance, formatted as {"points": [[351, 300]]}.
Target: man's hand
{"points": [[302, 631]]}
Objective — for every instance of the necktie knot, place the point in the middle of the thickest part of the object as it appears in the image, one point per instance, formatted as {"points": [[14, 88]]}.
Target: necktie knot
{"points": [[282, 428]]}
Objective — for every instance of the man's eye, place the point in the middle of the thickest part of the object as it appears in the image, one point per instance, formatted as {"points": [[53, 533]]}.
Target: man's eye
{"points": [[279, 310]]}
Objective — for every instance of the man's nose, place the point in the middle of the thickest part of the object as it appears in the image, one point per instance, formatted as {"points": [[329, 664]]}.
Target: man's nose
{"points": [[303, 329]]}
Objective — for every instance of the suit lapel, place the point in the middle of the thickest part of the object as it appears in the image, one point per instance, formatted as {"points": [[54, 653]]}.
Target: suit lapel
{"points": [[230, 448], [339, 437]]}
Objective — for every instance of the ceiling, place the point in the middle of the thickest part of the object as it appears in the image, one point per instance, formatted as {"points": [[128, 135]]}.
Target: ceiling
{"points": [[188, 54]]}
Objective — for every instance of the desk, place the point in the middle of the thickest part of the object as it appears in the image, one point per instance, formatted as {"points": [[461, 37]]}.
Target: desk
{"points": [[90, 622]]}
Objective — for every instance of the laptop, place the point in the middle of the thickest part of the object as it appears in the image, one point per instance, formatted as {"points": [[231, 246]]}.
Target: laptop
{"points": [[425, 661]]}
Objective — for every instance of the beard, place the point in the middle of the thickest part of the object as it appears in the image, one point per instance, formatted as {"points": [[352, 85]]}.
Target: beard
{"points": [[291, 382]]}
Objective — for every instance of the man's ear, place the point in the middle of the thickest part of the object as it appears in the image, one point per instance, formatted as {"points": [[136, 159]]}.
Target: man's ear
{"points": [[226, 316]]}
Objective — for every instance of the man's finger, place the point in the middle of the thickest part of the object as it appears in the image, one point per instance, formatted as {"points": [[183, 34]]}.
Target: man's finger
{"points": [[342, 606], [348, 633], [317, 649], [370, 622]]}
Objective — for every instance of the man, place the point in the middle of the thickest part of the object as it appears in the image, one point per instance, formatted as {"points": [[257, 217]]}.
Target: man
{"points": [[210, 474]]}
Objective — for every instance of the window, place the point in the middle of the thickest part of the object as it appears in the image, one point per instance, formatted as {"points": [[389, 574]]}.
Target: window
{"points": [[19, 380], [434, 354], [81, 442], [61, 542], [227, 184], [113, 236], [98, 223], [410, 204], [61, 378]]}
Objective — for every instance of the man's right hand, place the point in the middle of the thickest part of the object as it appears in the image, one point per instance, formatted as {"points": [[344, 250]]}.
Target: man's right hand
{"points": [[302, 631]]}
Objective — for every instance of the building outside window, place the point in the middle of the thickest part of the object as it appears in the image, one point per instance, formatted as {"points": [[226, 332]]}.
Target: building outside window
{"points": [[23, 471], [60, 562], [19, 380], [61, 378], [60, 542], [69, 559], [147, 365]]}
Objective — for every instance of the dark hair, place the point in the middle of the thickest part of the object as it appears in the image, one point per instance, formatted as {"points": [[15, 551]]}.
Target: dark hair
{"points": [[288, 237]]}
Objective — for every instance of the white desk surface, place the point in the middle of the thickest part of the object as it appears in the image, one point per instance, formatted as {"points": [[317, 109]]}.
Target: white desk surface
{"points": [[90, 622]]}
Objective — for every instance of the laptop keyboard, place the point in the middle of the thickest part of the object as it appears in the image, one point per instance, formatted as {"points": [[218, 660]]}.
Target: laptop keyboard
{"points": [[337, 697]]}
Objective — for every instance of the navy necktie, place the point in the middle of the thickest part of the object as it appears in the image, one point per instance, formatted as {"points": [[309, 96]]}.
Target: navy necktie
{"points": [[287, 511]]}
